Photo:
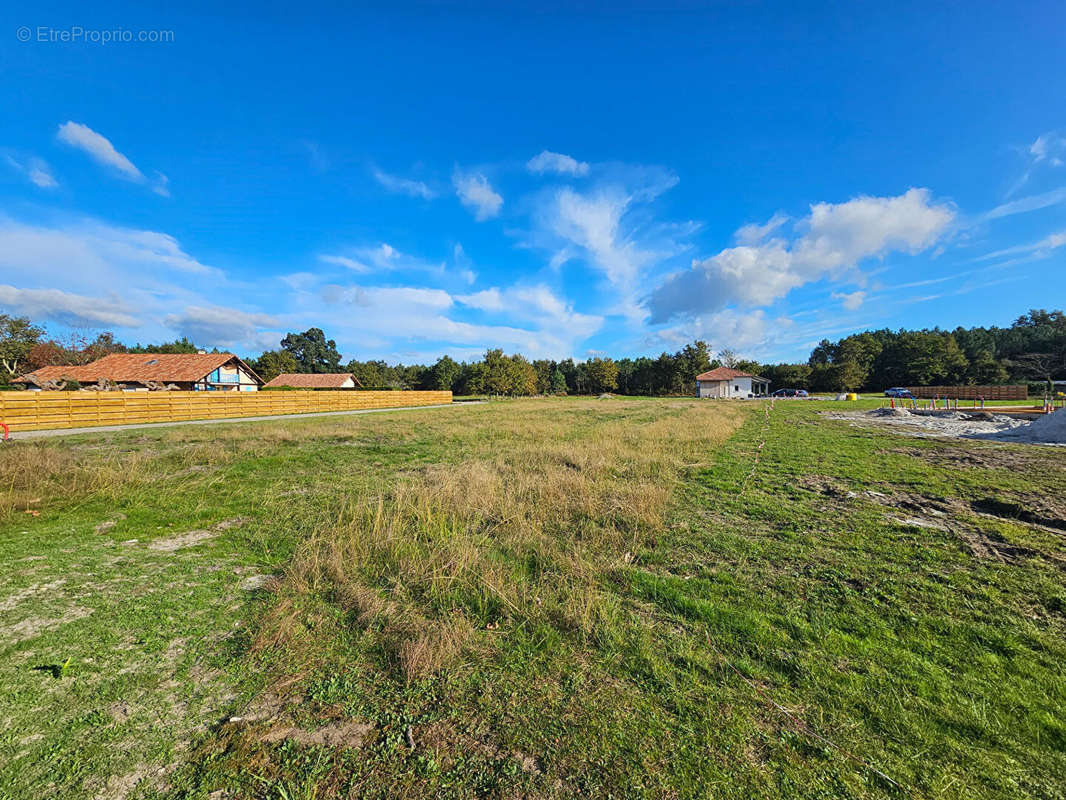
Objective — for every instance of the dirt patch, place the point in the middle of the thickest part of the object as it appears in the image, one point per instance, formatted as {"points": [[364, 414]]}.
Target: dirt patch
{"points": [[1043, 512], [254, 582], [448, 742], [193, 538], [120, 787], [338, 735], [12, 600], [824, 485], [108, 524], [982, 457], [120, 711], [948, 514], [35, 626]]}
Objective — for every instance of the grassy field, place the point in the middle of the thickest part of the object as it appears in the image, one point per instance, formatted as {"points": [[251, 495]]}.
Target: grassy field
{"points": [[538, 598]]}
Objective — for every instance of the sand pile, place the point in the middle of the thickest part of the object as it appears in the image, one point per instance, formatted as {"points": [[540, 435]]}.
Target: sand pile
{"points": [[932, 423], [889, 412], [1048, 429]]}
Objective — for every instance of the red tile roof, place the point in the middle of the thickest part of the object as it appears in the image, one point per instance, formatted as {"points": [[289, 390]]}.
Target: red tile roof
{"points": [[321, 380], [725, 374], [143, 367]]}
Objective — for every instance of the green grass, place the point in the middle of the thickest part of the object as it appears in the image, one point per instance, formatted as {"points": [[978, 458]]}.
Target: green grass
{"points": [[789, 593]]}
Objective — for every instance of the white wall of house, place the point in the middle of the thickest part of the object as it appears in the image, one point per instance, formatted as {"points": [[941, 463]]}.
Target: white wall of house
{"points": [[348, 384], [228, 378], [713, 388], [740, 387], [735, 387]]}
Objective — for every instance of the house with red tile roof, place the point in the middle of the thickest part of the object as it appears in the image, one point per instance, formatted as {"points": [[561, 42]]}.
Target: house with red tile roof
{"points": [[726, 382], [133, 371], [309, 380]]}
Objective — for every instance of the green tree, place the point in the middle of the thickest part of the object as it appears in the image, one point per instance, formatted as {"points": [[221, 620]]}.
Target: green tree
{"points": [[443, 375], [182, 345], [558, 382], [984, 369], [312, 351], [787, 376], [273, 363], [472, 379], [601, 374], [497, 372], [17, 337], [728, 358], [370, 374], [544, 370]]}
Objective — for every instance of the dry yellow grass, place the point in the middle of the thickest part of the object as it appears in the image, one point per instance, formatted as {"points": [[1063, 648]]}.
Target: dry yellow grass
{"points": [[524, 529]]}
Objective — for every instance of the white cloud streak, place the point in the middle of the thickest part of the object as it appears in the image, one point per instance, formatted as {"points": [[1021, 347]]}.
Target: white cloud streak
{"points": [[547, 161], [398, 185], [68, 308], [99, 149], [1026, 204], [217, 326], [36, 170], [476, 193]]}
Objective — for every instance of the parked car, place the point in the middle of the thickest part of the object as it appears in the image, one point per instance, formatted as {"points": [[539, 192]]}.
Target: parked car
{"points": [[898, 391], [790, 393]]}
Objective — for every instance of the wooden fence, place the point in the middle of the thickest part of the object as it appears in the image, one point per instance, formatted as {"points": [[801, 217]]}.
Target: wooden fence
{"points": [[29, 411], [1018, 392]]}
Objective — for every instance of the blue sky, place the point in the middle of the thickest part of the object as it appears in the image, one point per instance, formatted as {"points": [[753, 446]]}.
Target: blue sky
{"points": [[420, 179]]}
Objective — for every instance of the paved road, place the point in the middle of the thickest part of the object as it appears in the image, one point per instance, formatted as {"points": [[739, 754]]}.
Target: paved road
{"points": [[110, 428]]}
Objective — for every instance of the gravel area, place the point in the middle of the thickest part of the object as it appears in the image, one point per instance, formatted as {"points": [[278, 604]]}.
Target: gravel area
{"points": [[934, 424]]}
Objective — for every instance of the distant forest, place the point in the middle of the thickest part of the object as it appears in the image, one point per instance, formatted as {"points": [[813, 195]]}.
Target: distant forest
{"points": [[1032, 350]]}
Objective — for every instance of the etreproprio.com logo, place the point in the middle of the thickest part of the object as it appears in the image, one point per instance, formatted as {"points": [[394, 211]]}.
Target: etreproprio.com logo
{"points": [[76, 34]]}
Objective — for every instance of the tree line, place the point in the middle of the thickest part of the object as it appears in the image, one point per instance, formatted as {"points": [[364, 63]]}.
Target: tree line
{"points": [[1031, 350]]}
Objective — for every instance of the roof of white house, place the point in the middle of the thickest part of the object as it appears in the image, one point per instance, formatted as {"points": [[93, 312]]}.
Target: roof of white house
{"points": [[726, 374]]}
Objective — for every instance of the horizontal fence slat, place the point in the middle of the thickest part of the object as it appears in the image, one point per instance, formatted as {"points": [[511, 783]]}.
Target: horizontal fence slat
{"points": [[1011, 392], [23, 411]]}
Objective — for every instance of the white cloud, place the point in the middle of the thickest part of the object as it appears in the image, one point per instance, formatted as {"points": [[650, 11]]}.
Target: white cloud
{"points": [[1050, 147], [463, 265], [99, 148], [1026, 204], [476, 193], [752, 233], [344, 261], [301, 281], [92, 251], [841, 235], [162, 184], [419, 323], [608, 224], [1047, 149], [36, 170], [747, 333], [381, 258], [406, 186], [1040, 249], [216, 326], [851, 301], [547, 161], [836, 238], [537, 304], [611, 227], [68, 308]]}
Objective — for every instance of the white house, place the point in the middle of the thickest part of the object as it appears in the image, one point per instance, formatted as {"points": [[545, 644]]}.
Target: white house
{"points": [[725, 382]]}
